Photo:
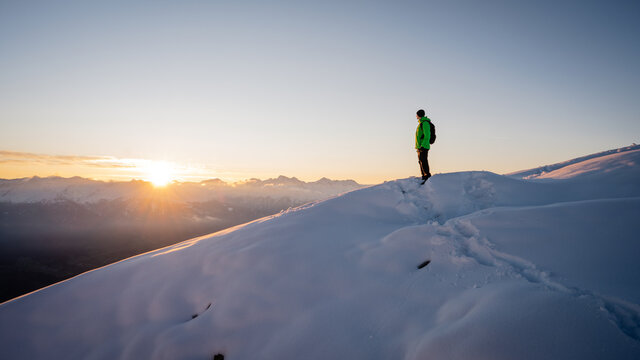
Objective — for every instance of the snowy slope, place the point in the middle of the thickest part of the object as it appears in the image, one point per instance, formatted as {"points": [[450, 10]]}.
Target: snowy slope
{"points": [[545, 171], [519, 269]]}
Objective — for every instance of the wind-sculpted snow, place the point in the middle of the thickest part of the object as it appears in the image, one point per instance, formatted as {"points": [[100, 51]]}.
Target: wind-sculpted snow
{"points": [[518, 269], [582, 163]]}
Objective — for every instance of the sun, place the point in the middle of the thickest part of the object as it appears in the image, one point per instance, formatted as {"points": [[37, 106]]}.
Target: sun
{"points": [[159, 173]]}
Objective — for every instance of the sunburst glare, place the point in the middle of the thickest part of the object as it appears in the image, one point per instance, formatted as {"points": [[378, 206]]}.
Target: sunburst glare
{"points": [[159, 173]]}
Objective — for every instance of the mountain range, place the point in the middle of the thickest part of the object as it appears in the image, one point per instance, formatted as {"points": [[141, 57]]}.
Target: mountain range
{"points": [[83, 190]]}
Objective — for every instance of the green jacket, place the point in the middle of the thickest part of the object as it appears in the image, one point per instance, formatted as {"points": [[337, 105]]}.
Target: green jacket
{"points": [[423, 134]]}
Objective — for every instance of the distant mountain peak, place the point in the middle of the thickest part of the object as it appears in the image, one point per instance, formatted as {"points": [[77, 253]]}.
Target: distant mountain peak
{"points": [[214, 181], [83, 190]]}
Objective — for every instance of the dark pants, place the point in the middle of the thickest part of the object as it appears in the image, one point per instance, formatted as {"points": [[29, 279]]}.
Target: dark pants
{"points": [[423, 155]]}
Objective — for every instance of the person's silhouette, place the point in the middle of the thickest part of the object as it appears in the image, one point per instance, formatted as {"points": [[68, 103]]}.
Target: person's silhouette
{"points": [[423, 143]]}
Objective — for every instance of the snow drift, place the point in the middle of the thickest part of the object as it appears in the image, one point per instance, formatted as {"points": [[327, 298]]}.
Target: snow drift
{"points": [[519, 269]]}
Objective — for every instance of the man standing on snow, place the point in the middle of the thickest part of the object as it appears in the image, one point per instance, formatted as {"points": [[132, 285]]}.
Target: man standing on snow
{"points": [[424, 139]]}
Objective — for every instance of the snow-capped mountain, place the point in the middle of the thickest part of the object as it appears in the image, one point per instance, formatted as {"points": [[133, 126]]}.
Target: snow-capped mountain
{"points": [[81, 190], [470, 265]]}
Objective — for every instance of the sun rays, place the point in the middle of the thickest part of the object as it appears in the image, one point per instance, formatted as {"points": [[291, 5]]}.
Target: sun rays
{"points": [[159, 173]]}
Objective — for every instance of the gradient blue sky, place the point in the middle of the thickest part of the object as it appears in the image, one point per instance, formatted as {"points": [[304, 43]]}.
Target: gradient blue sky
{"points": [[320, 88]]}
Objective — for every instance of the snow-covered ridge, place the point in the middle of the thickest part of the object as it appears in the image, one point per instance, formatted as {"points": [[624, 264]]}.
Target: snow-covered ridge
{"points": [[517, 269], [554, 170], [82, 190]]}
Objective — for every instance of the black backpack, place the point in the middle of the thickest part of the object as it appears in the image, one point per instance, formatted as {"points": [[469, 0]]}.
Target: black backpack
{"points": [[432, 130]]}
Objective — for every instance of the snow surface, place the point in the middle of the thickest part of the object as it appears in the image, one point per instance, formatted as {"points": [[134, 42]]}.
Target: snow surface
{"points": [[542, 172], [520, 269]]}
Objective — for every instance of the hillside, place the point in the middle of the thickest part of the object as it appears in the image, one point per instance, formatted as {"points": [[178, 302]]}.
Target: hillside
{"points": [[511, 268], [583, 162]]}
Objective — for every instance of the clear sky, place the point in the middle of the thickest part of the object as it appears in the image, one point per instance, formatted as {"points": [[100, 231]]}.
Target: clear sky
{"points": [[241, 89]]}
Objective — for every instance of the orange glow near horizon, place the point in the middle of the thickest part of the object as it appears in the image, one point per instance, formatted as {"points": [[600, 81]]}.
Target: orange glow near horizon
{"points": [[161, 173]]}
